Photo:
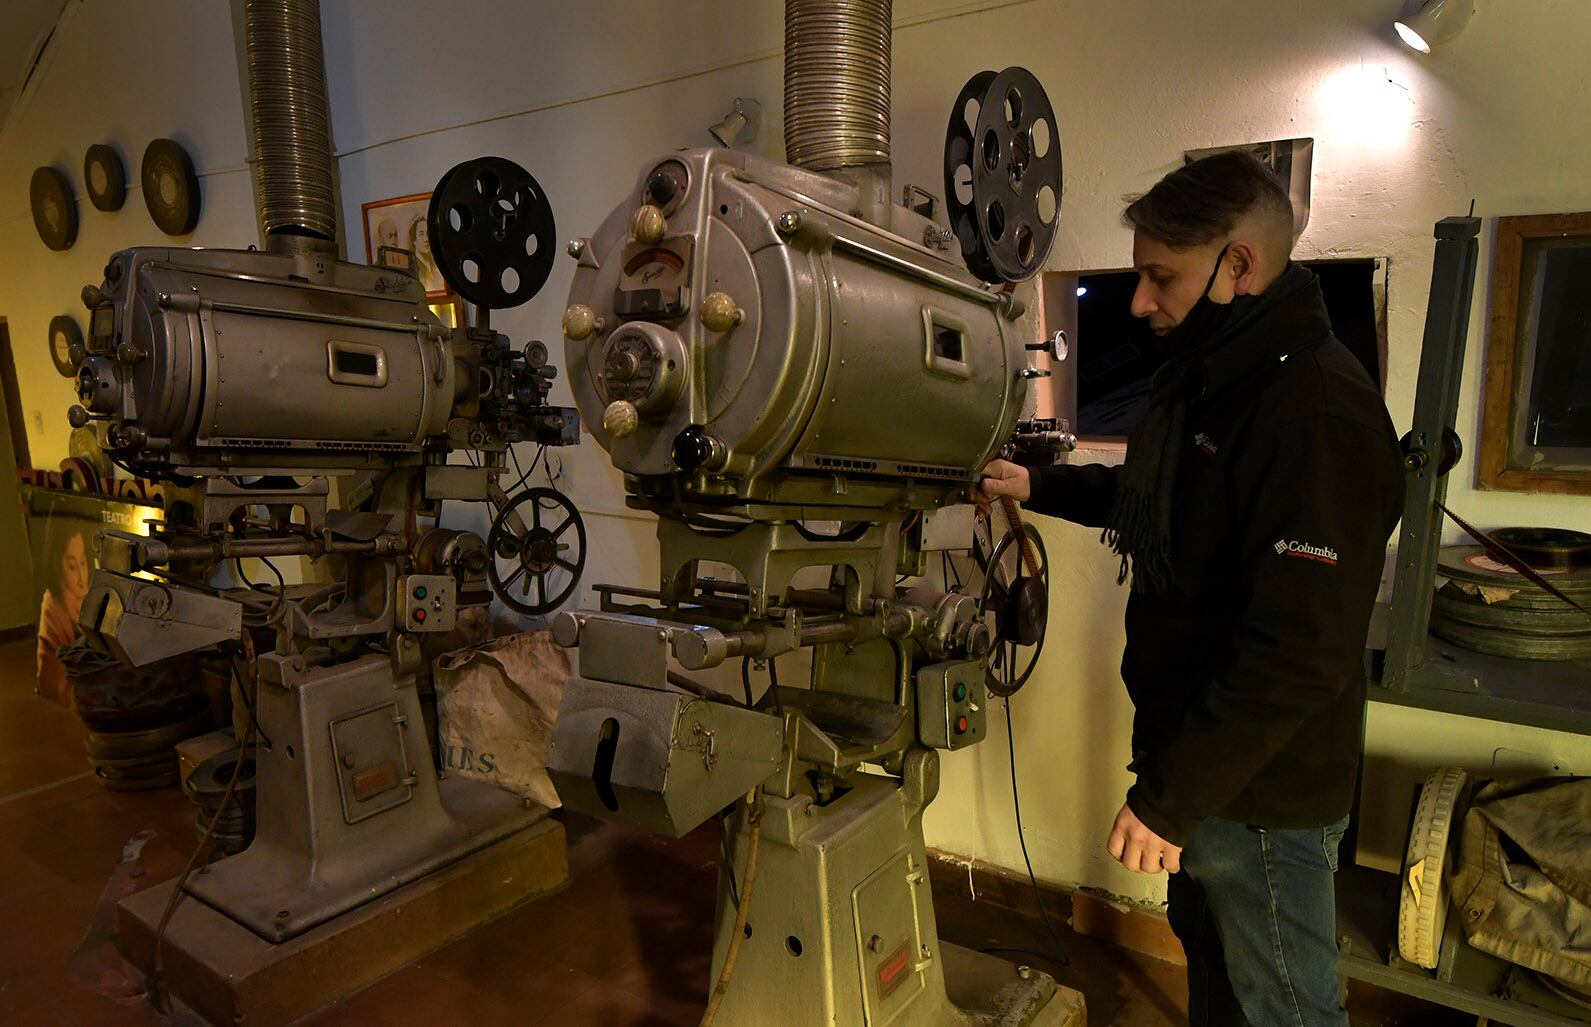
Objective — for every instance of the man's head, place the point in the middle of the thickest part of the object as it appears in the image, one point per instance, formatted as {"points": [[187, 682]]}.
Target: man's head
{"points": [[1180, 227]]}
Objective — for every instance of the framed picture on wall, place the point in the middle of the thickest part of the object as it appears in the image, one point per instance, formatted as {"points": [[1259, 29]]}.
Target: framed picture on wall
{"points": [[400, 223], [1536, 427]]}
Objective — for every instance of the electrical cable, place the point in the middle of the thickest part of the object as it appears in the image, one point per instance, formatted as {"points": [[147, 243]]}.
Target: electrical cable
{"points": [[157, 992], [1016, 805], [243, 693], [742, 908]]}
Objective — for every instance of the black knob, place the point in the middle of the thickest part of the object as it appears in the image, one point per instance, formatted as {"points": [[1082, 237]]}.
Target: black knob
{"points": [[692, 449], [662, 187], [77, 417]]}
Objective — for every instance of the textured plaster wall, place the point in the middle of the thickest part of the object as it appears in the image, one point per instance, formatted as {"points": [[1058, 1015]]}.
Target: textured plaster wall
{"points": [[583, 94]]}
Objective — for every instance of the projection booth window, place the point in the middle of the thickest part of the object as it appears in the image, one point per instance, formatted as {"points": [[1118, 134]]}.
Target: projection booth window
{"points": [[1103, 385]]}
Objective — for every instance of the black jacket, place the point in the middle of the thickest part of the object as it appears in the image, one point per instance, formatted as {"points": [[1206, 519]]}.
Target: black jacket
{"points": [[1248, 676]]}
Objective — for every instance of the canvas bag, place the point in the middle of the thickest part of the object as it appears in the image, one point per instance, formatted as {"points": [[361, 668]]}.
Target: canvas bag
{"points": [[496, 704]]}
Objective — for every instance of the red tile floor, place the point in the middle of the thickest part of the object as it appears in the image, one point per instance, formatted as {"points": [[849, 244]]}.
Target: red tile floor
{"points": [[627, 943]]}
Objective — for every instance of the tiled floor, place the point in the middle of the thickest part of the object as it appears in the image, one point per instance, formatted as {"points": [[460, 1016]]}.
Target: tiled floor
{"points": [[627, 943]]}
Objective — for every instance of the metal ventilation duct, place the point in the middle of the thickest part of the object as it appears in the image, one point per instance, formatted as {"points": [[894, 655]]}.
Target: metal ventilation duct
{"points": [[292, 126], [836, 83]]}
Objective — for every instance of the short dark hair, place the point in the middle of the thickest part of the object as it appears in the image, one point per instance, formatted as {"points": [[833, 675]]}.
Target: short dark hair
{"points": [[1204, 200]]}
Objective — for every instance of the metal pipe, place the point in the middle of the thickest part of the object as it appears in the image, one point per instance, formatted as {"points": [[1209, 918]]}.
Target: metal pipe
{"points": [[836, 83], [292, 125]]}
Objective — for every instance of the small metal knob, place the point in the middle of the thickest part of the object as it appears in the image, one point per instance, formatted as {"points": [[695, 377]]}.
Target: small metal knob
{"points": [[580, 321], [788, 223], [621, 419], [720, 312], [648, 224], [77, 417]]}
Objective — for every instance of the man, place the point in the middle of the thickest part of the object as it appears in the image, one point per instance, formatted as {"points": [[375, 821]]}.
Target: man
{"points": [[1252, 511]]}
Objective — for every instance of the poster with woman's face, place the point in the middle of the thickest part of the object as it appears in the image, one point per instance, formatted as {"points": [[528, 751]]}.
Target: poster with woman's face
{"points": [[61, 530], [401, 223]]}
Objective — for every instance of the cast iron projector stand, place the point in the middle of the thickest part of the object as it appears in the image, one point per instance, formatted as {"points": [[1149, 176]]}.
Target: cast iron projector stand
{"points": [[822, 788]]}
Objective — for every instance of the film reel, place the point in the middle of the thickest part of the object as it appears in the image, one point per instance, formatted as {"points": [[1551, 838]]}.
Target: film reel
{"points": [[104, 177], [171, 187], [1003, 174], [54, 208], [492, 232]]}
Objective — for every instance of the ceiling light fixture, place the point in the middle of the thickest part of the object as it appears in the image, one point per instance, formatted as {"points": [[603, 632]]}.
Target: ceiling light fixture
{"points": [[1427, 24]]}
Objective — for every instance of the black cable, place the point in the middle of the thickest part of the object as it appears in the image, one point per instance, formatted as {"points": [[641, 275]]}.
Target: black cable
{"points": [[1016, 804], [745, 681], [281, 591], [727, 864], [243, 693], [524, 474], [157, 991]]}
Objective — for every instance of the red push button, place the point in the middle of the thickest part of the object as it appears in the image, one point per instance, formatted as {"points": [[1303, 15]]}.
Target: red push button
{"points": [[420, 615], [961, 725]]}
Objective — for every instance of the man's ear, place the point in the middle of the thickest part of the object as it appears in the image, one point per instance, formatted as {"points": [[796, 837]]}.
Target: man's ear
{"points": [[1245, 267]]}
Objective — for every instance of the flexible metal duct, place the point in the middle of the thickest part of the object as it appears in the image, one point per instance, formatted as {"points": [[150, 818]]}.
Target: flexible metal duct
{"points": [[292, 133], [836, 83]]}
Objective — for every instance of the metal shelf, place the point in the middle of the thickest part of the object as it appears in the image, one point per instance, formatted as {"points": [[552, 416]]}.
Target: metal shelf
{"points": [[1538, 693], [1465, 978]]}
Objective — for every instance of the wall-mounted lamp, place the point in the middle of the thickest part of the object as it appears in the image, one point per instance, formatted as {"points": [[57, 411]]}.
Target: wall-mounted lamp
{"points": [[740, 125], [1427, 24]]}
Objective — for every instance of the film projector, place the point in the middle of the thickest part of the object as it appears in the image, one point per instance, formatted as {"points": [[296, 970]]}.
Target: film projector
{"points": [[799, 381], [299, 406]]}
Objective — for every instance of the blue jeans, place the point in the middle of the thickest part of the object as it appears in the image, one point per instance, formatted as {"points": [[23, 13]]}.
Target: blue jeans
{"points": [[1255, 911]]}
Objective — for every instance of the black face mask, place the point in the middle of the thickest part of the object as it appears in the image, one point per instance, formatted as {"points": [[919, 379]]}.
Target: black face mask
{"points": [[1205, 321]]}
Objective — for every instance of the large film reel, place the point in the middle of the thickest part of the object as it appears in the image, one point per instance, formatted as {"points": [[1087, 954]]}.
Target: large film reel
{"points": [[492, 232], [1003, 174]]}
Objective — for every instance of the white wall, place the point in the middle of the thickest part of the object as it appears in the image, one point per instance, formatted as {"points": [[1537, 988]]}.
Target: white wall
{"points": [[583, 94], [123, 74]]}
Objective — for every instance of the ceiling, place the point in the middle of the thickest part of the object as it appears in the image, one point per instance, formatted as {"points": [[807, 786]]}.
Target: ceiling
{"points": [[27, 23]]}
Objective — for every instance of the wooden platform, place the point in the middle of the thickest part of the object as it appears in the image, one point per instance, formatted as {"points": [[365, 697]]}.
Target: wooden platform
{"points": [[229, 975]]}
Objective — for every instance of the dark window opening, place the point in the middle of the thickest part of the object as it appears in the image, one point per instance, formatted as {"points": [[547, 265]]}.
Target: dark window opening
{"points": [[1114, 355], [357, 362], [947, 343]]}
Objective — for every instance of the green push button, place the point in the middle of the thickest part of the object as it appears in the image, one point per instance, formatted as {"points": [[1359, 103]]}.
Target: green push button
{"points": [[419, 592], [960, 691]]}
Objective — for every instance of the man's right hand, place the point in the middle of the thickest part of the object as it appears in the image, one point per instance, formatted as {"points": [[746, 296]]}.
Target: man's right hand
{"points": [[1002, 478]]}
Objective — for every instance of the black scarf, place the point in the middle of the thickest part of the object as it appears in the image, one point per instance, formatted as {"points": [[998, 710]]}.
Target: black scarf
{"points": [[1139, 526]]}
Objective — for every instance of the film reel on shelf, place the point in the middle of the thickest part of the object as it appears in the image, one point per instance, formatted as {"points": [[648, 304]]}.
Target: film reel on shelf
{"points": [[537, 539], [1003, 174], [492, 232]]}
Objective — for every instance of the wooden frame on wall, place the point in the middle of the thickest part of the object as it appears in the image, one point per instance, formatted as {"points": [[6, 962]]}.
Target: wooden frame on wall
{"points": [[1509, 459]]}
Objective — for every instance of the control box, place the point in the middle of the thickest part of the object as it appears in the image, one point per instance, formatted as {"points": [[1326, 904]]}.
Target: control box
{"points": [[427, 602], [951, 704]]}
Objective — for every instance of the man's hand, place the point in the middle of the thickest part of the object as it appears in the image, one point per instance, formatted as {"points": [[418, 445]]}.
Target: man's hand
{"points": [[1002, 478], [1140, 849]]}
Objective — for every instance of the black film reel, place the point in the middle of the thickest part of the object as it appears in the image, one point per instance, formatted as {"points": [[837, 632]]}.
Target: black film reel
{"points": [[104, 177], [171, 188], [492, 232], [1003, 174], [538, 549], [66, 344], [54, 208]]}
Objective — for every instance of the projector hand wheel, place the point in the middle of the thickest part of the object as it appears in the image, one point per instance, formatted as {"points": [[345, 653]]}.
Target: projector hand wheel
{"points": [[538, 549], [1016, 598], [492, 232]]}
